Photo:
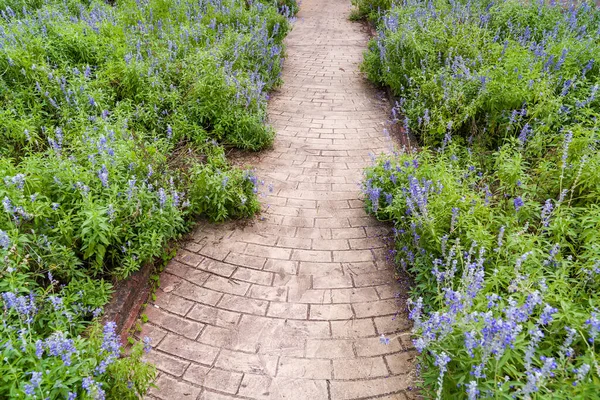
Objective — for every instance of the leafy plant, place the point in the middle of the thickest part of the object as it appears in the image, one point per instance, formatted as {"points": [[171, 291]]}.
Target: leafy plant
{"points": [[496, 217], [113, 122]]}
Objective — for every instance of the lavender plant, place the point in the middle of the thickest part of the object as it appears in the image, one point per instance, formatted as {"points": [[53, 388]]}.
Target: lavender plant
{"points": [[50, 346], [113, 123], [496, 217]]}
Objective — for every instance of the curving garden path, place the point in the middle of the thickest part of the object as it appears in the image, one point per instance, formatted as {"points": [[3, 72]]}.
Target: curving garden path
{"points": [[291, 305]]}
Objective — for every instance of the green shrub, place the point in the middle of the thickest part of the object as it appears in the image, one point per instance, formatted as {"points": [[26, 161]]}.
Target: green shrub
{"points": [[49, 350], [221, 192], [113, 122], [466, 70], [496, 217], [370, 9]]}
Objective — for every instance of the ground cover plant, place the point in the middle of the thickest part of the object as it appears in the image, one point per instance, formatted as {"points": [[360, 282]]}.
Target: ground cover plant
{"points": [[369, 9], [113, 124], [497, 215]]}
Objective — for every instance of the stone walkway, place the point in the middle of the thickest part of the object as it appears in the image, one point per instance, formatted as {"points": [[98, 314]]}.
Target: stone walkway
{"points": [[291, 305]]}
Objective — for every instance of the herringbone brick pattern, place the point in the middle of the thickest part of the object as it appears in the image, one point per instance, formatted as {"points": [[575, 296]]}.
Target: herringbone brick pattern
{"points": [[291, 305]]}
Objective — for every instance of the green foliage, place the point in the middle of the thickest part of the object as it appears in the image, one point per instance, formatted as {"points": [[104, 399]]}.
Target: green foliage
{"points": [[468, 77], [96, 99], [369, 9], [113, 120], [497, 216], [50, 349], [221, 192]]}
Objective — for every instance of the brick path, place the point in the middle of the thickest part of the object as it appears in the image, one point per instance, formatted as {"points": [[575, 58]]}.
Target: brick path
{"points": [[291, 305]]}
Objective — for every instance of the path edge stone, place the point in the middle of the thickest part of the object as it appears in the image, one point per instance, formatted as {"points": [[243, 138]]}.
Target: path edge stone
{"points": [[128, 299]]}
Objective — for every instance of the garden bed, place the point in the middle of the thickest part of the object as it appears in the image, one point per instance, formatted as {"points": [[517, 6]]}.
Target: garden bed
{"points": [[496, 218], [114, 123]]}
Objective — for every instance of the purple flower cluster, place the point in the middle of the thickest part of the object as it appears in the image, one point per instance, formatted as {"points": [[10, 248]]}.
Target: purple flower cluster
{"points": [[5, 241], [593, 326], [417, 196], [34, 383], [58, 345], [110, 348], [24, 306], [93, 388], [518, 203], [546, 211]]}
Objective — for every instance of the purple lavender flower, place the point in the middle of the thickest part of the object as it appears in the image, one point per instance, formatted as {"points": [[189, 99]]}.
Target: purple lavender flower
{"points": [[36, 380], [518, 203], [176, 198], [58, 345], [472, 391], [498, 334], [548, 366], [374, 194], [492, 299], [56, 143], [57, 302], [581, 372], [531, 385], [441, 361], [551, 260], [162, 197], [549, 63], [147, 344], [103, 176], [39, 349], [525, 132], [513, 117], [18, 181], [389, 198], [478, 370], [593, 324], [24, 306], [500, 238], [416, 310], [88, 384], [566, 348], [384, 340], [111, 343], [5, 242], [110, 211], [454, 300], [546, 211], [563, 193], [447, 137], [536, 336], [547, 313], [426, 117], [417, 196], [567, 86], [587, 67], [471, 343], [130, 188], [561, 60], [454, 218]]}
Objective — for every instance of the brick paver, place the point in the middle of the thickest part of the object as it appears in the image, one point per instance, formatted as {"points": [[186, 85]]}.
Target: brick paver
{"points": [[291, 306]]}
